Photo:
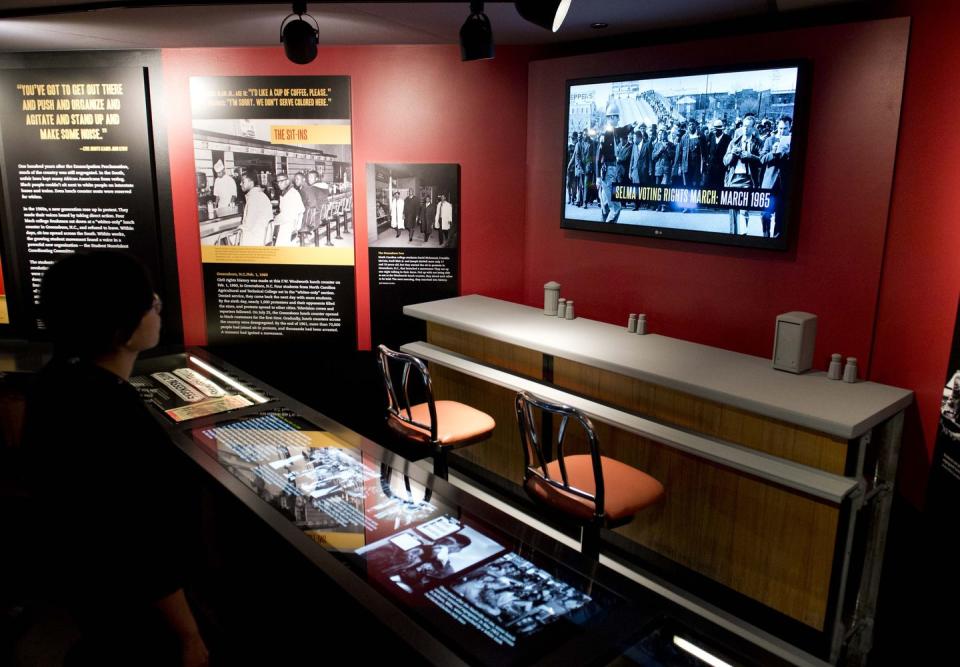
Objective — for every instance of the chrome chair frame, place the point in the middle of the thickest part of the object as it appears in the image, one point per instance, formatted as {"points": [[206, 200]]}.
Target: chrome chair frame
{"points": [[535, 464], [397, 408]]}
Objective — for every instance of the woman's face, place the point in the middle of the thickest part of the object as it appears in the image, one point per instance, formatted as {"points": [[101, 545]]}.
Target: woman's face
{"points": [[147, 333]]}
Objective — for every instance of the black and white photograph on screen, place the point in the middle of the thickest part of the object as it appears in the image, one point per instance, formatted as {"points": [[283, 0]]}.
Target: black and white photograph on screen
{"points": [[254, 192], [518, 595], [704, 152], [318, 487], [399, 501], [414, 205], [414, 562]]}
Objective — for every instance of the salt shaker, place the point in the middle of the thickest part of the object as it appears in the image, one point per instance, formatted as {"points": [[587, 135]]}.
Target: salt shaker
{"points": [[551, 297], [850, 370], [561, 307], [569, 313], [834, 372], [641, 324], [632, 323]]}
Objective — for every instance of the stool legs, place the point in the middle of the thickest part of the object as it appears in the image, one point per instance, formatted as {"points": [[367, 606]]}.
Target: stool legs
{"points": [[590, 541], [440, 467]]}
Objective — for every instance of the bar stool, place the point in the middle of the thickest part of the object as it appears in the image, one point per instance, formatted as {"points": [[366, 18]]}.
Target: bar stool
{"points": [[440, 425], [597, 491]]}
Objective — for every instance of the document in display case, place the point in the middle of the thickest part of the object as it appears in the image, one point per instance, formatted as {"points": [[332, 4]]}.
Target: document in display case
{"points": [[190, 388]]}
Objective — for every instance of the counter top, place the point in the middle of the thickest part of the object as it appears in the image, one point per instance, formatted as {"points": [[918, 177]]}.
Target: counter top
{"points": [[743, 381]]}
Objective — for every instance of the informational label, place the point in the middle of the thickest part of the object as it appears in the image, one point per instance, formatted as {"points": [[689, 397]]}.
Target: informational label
{"points": [[413, 224], [77, 170], [396, 267], [279, 301], [275, 207]]}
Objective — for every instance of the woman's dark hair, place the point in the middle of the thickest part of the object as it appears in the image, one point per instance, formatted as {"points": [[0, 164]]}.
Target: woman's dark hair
{"points": [[93, 302]]}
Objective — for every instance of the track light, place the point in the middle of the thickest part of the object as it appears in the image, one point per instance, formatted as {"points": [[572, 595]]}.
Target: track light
{"points": [[476, 35], [547, 14], [299, 38]]}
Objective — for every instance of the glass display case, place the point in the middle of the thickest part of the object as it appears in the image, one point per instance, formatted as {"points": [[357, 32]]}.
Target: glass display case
{"points": [[472, 584]]}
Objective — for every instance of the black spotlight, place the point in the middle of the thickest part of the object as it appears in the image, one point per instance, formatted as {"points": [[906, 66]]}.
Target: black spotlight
{"points": [[476, 35], [547, 14], [299, 37]]}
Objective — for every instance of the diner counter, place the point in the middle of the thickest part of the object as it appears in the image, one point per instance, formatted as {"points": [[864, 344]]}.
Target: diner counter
{"points": [[743, 381]]}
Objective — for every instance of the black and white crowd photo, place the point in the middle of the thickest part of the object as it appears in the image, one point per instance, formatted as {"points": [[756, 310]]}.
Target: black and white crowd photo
{"points": [[702, 152], [414, 205], [520, 596]]}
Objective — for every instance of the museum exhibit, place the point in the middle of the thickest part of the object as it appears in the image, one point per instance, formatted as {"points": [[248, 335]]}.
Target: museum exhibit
{"points": [[547, 332]]}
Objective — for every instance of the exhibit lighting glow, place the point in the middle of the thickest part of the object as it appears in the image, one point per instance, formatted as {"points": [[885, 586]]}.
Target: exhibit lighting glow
{"points": [[257, 398], [298, 37], [699, 653], [476, 35], [547, 14]]}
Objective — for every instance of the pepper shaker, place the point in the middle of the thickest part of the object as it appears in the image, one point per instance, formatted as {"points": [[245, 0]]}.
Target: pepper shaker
{"points": [[642, 324], [850, 370], [632, 323], [569, 313], [834, 372], [561, 308]]}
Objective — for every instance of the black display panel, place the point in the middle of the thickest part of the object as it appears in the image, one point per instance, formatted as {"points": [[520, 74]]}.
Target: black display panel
{"points": [[77, 172], [274, 172], [705, 155], [413, 233], [484, 593]]}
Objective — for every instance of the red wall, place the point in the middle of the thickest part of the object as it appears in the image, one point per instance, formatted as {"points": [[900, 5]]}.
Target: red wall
{"points": [[729, 297], [876, 255], [410, 104], [921, 275]]}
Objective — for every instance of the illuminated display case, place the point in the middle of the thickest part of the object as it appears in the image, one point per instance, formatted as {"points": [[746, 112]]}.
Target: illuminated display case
{"points": [[472, 584]]}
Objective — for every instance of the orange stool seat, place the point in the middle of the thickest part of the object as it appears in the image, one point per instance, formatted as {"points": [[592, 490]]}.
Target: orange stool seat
{"points": [[627, 490], [440, 425], [594, 490], [457, 424]]}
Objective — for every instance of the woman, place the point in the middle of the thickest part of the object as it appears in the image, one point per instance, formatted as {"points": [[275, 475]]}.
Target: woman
{"points": [[106, 472]]}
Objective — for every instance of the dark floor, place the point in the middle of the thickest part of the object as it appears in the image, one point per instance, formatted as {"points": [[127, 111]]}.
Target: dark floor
{"points": [[916, 619]]}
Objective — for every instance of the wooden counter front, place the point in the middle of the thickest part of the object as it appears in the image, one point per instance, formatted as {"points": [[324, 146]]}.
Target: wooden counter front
{"points": [[773, 545]]}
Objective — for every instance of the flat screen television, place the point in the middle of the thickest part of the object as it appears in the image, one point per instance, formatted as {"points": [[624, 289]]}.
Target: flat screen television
{"points": [[700, 155]]}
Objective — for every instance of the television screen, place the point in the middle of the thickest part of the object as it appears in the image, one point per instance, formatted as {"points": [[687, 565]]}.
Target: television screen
{"points": [[694, 155]]}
